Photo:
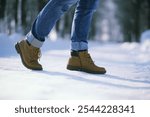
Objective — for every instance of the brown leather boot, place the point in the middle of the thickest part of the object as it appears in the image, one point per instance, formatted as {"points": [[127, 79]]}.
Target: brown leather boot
{"points": [[29, 55], [82, 61]]}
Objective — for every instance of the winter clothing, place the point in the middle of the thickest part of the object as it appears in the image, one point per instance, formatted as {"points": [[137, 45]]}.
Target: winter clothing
{"points": [[29, 55], [82, 61]]}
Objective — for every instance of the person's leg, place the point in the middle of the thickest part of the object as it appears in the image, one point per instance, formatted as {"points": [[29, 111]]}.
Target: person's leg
{"points": [[47, 19], [80, 59], [29, 49], [81, 24]]}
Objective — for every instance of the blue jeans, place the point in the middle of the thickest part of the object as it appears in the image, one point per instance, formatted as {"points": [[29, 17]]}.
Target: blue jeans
{"points": [[53, 11]]}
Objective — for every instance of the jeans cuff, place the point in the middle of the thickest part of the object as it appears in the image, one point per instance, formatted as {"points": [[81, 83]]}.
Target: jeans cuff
{"points": [[33, 41], [79, 46]]}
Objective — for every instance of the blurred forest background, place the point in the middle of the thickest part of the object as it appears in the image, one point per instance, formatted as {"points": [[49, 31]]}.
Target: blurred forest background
{"points": [[114, 20]]}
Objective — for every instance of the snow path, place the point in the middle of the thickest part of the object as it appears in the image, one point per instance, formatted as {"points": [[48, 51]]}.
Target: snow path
{"points": [[128, 74]]}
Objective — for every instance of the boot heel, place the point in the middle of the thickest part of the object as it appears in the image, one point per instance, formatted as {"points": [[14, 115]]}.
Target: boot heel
{"points": [[69, 67], [17, 48]]}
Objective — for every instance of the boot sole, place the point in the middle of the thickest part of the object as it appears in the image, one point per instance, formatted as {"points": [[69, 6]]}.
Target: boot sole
{"points": [[74, 68], [20, 53]]}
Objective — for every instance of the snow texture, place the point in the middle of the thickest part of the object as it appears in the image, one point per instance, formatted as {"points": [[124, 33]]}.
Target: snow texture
{"points": [[127, 77]]}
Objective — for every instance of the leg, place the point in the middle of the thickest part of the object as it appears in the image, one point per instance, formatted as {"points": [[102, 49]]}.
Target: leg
{"points": [[80, 59], [81, 24], [29, 50], [46, 20]]}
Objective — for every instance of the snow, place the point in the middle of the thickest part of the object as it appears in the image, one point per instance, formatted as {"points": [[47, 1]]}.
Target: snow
{"points": [[145, 35], [127, 77]]}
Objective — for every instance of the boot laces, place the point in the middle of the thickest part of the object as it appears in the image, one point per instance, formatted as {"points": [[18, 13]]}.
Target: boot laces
{"points": [[36, 54], [89, 59]]}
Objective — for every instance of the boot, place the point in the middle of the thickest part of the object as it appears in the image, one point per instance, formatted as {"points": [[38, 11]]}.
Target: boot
{"points": [[29, 55], [82, 61]]}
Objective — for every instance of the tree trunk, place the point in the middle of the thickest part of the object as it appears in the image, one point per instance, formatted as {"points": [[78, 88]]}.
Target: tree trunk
{"points": [[148, 14], [2, 8], [24, 15], [19, 16], [137, 21]]}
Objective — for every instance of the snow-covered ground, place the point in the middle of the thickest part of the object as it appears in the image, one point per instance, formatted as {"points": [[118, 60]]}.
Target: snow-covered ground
{"points": [[127, 77]]}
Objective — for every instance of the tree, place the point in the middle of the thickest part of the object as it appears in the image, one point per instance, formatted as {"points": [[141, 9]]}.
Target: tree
{"points": [[2, 8], [133, 18]]}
